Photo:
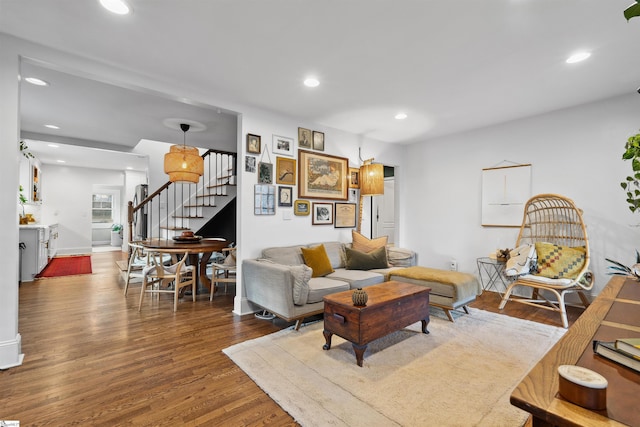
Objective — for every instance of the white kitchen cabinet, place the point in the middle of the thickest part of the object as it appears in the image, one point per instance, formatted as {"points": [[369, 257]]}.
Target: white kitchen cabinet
{"points": [[53, 240], [35, 256]]}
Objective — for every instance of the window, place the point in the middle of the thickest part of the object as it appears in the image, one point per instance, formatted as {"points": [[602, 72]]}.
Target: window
{"points": [[102, 208]]}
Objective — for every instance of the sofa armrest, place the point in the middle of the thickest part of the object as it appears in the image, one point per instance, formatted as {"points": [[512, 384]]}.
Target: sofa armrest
{"points": [[401, 257], [269, 285]]}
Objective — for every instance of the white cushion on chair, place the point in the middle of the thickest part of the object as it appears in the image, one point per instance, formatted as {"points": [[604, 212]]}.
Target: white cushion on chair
{"points": [[545, 280]]}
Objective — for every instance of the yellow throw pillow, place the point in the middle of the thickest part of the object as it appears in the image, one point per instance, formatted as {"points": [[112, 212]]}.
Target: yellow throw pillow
{"points": [[366, 245], [559, 262], [318, 260]]}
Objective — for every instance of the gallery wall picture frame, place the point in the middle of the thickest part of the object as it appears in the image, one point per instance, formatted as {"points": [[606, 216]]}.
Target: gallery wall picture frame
{"points": [[250, 164], [318, 140], [286, 171], [264, 199], [265, 173], [305, 139], [254, 143], [322, 176], [344, 215], [301, 207], [285, 196], [283, 145], [322, 214], [354, 178]]}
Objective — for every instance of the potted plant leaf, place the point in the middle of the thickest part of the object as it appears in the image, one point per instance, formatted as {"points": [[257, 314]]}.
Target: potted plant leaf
{"points": [[631, 184], [22, 200]]}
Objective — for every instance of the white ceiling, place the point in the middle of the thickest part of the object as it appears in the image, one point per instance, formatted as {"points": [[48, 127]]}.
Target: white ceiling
{"points": [[452, 66]]}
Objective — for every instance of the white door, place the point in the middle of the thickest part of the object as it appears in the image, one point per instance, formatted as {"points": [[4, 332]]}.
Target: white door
{"points": [[384, 213]]}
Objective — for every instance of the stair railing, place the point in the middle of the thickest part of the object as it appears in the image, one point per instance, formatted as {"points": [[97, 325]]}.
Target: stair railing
{"points": [[169, 209]]}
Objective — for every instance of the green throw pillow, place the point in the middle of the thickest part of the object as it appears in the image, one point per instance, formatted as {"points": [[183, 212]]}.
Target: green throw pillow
{"points": [[357, 260], [318, 260], [559, 262]]}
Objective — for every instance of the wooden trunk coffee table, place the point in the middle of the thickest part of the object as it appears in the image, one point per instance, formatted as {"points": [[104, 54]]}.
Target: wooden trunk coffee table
{"points": [[391, 307]]}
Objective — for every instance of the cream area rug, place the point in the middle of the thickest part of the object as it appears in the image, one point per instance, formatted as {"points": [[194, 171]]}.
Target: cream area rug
{"points": [[461, 374]]}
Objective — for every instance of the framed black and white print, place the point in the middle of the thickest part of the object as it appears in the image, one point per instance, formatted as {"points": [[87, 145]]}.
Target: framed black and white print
{"points": [[250, 164], [265, 173], [322, 214], [304, 138], [318, 140], [283, 145], [345, 215], [285, 196], [253, 144]]}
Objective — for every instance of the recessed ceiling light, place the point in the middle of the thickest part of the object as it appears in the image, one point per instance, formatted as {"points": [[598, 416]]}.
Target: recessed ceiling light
{"points": [[52, 126], [129, 168], [53, 145], [401, 116], [119, 7], [61, 161], [577, 57], [36, 81], [311, 82]]}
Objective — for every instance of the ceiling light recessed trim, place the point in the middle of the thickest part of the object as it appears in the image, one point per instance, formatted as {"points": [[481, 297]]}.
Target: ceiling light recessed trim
{"points": [[52, 126], [578, 57], [119, 7], [400, 116], [311, 82], [36, 81]]}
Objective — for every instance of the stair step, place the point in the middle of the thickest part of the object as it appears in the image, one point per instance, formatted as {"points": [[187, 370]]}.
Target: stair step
{"points": [[200, 206], [174, 228], [209, 195], [187, 216], [221, 185], [226, 176]]}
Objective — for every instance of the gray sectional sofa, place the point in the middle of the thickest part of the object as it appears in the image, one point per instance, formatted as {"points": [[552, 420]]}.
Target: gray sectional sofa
{"points": [[281, 283]]}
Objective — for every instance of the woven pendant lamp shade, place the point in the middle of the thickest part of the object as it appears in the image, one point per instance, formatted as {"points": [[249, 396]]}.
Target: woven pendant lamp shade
{"points": [[371, 179], [183, 164]]}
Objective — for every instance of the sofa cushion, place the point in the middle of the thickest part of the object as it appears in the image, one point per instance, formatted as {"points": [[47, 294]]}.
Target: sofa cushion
{"points": [[335, 252], [319, 287], [357, 278], [364, 244], [357, 260], [301, 276], [317, 259], [285, 255], [400, 257]]}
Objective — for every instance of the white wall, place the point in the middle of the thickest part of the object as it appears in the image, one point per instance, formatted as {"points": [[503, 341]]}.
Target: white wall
{"points": [[574, 152], [67, 193]]}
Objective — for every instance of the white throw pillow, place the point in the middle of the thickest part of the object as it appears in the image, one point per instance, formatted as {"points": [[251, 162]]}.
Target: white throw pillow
{"points": [[301, 276], [520, 260]]}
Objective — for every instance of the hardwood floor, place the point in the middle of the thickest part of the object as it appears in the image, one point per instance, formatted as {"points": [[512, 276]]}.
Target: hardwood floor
{"points": [[92, 359]]}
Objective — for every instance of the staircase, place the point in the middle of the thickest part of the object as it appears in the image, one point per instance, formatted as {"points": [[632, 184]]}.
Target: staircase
{"points": [[176, 207]]}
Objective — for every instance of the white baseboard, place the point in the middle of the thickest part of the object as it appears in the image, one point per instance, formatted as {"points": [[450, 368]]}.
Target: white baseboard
{"points": [[11, 353]]}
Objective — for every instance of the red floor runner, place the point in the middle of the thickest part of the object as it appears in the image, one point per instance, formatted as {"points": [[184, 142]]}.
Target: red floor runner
{"points": [[67, 266]]}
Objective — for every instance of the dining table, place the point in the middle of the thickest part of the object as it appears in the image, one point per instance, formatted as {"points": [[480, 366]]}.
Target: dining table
{"points": [[199, 251]]}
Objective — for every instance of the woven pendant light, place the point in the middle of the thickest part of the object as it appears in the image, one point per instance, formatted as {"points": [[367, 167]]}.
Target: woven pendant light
{"points": [[183, 163]]}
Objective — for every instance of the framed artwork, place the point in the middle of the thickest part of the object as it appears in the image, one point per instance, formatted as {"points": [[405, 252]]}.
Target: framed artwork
{"points": [[253, 144], [264, 199], [354, 178], [285, 171], [249, 164], [505, 191], [321, 176], [304, 138], [345, 215], [322, 214], [318, 140], [265, 173], [301, 208], [283, 145], [285, 196], [353, 195]]}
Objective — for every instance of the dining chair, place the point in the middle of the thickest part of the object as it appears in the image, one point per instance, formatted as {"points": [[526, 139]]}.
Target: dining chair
{"points": [[159, 278], [138, 260], [223, 272], [557, 258]]}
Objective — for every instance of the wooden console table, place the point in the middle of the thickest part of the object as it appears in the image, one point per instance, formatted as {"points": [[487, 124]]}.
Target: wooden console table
{"points": [[615, 313]]}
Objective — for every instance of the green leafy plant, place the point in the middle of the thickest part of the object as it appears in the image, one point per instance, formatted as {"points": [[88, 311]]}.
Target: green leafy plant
{"points": [[632, 183], [25, 150], [117, 228], [632, 11], [21, 198]]}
